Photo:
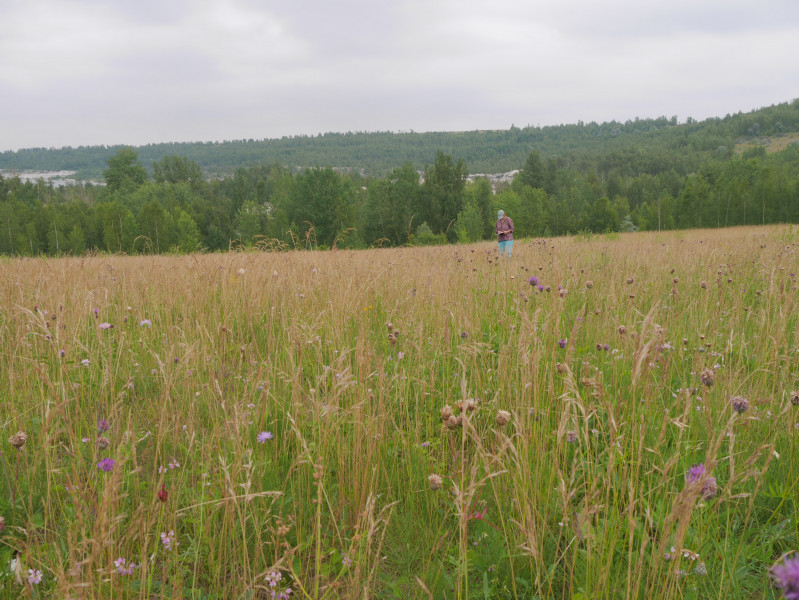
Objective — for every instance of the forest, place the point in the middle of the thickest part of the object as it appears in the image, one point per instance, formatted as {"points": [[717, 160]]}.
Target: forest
{"points": [[360, 190]]}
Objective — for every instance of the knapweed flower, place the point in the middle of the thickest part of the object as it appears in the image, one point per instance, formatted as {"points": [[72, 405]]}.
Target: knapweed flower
{"points": [[540, 288], [709, 485], [708, 377], [739, 404], [695, 472], [503, 418], [435, 481], [18, 439], [786, 577], [145, 323], [533, 280], [103, 425], [34, 576], [562, 343], [96, 311], [106, 326], [167, 539], [106, 464], [265, 435]]}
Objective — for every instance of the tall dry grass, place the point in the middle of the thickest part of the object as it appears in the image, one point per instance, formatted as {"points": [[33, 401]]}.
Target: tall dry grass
{"points": [[580, 489]]}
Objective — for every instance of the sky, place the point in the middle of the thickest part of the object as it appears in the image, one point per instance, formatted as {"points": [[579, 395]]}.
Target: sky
{"points": [[92, 72]]}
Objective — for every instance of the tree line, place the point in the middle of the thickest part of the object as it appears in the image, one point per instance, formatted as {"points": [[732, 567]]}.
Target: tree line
{"points": [[176, 208]]}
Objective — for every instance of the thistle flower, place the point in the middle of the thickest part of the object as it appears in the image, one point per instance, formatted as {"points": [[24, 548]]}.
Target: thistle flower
{"points": [[703, 285], [708, 377], [739, 404], [562, 343], [435, 481], [786, 577], [18, 439], [106, 464], [503, 418], [533, 280]]}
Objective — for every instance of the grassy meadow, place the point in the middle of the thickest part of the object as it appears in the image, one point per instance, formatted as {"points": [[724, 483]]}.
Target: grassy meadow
{"points": [[404, 423]]}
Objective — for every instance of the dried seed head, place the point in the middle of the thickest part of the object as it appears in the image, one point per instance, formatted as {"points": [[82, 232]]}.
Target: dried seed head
{"points": [[710, 488], [739, 404], [631, 280], [708, 377], [503, 418], [103, 443], [446, 412], [589, 284], [395, 333], [389, 326], [703, 285], [469, 404], [563, 292], [795, 398], [571, 436], [18, 439], [435, 481], [622, 330], [560, 367], [453, 422]]}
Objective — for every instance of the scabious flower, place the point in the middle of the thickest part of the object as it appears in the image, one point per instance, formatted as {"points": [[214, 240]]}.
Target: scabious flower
{"points": [[145, 323], [34, 576], [786, 577], [265, 435], [106, 326], [106, 464]]}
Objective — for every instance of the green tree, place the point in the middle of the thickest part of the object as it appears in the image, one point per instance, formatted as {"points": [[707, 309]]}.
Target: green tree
{"points": [[124, 172], [441, 198], [470, 225]]}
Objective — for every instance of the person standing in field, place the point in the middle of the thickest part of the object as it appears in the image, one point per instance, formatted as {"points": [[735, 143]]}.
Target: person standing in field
{"points": [[504, 234]]}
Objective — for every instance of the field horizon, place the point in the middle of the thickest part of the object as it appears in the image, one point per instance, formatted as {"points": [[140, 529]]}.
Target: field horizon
{"points": [[600, 416]]}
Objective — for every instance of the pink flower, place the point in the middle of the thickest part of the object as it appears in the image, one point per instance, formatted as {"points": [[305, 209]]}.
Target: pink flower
{"points": [[265, 435]]}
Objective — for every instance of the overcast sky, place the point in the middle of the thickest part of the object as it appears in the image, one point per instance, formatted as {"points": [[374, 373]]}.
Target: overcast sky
{"points": [[86, 72]]}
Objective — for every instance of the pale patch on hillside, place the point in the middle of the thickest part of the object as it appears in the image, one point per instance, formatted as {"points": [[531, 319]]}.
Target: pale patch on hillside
{"points": [[771, 144]]}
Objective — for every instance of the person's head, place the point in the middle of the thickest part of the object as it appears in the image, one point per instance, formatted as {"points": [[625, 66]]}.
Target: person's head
{"points": [[501, 214]]}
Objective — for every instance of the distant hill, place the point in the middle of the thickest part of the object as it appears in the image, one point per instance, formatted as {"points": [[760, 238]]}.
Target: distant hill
{"points": [[658, 144]]}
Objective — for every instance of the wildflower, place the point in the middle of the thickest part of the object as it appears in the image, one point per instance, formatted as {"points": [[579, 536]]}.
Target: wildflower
{"points": [[34, 576], [541, 288], [96, 312], [106, 326], [533, 280], [786, 577], [346, 561], [739, 404], [795, 398], [62, 353], [265, 435], [400, 355], [123, 567], [503, 418], [163, 495], [425, 444], [173, 464], [103, 443], [703, 285], [622, 330], [145, 323], [85, 362], [18, 439], [562, 343], [695, 472], [167, 539], [606, 347], [106, 464], [708, 377], [571, 436], [435, 482], [103, 425], [2, 523], [464, 335], [709, 485]]}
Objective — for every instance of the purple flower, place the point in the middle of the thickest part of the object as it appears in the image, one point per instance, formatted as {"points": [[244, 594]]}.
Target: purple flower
{"points": [[123, 567], [145, 323], [695, 472], [541, 288], [425, 444], [102, 425], [105, 326], [167, 539], [786, 576], [533, 280], [106, 464], [265, 435], [62, 353], [96, 311], [562, 343], [34, 576]]}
